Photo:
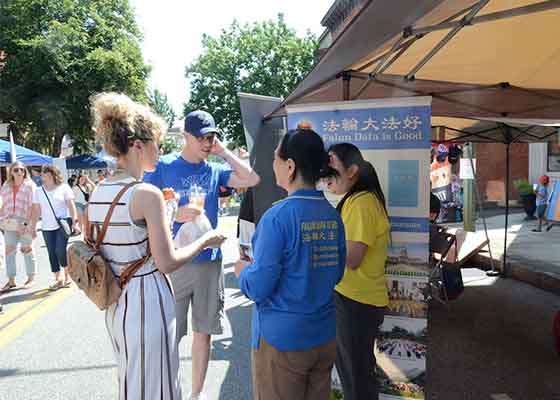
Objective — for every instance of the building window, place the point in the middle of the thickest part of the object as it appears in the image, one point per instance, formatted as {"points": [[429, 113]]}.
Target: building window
{"points": [[553, 154]]}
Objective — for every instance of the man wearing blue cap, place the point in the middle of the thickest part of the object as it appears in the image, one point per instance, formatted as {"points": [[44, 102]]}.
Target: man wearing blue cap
{"points": [[200, 282]]}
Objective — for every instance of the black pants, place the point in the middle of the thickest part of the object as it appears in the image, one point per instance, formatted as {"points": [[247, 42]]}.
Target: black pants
{"points": [[357, 326]]}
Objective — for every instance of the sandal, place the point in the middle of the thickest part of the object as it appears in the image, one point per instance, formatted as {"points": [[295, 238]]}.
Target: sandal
{"points": [[29, 284], [67, 283], [56, 285], [8, 286]]}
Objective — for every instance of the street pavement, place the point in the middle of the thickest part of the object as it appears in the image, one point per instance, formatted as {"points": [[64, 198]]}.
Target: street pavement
{"points": [[494, 342]]}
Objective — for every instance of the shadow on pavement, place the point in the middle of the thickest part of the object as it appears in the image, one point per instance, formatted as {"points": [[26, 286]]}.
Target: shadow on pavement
{"points": [[237, 350], [496, 338], [37, 294]]}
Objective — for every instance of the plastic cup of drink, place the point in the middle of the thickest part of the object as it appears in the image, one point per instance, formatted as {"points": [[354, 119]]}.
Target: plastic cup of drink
{"points": [[197, 197]]}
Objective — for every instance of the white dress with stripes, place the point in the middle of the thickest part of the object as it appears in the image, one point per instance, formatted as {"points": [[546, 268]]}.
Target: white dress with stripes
{"points": [[141, 324]]}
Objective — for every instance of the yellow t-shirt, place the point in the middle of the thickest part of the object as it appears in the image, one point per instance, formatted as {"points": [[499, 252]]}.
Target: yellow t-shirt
{"points": [[365, 221]]}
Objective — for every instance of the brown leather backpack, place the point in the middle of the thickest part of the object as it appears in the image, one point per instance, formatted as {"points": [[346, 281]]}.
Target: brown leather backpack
{"points": [[91, 272]]}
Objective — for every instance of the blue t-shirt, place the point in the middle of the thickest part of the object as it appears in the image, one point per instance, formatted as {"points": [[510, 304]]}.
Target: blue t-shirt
{"points": [[299, 257], [542, 196], [173, 171]]}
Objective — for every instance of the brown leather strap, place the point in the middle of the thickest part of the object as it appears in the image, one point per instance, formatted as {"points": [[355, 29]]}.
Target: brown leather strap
{"points": [[101, 235], [129, 272]]}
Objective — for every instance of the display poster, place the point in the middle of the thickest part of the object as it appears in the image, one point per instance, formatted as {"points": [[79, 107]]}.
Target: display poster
{"points": [[394, 135], [553, 211]]}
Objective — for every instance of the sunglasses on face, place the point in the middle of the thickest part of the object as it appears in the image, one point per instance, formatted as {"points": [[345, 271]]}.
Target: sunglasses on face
{"points": [[17, 170], [206, 138]]}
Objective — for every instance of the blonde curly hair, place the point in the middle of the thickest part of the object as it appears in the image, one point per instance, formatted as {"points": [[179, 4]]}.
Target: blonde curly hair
{"points": [[118, 121]]}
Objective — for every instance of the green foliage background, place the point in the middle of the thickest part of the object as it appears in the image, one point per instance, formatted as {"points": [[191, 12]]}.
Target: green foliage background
{"points": [[265, 58], [59, 53]]}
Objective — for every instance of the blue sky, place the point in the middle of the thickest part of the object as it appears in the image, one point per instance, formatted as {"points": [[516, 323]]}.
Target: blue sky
{"points": [[173, 31]]}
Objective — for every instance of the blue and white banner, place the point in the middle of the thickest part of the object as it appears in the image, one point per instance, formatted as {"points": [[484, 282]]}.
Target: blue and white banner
{"points": [[395, 136]]}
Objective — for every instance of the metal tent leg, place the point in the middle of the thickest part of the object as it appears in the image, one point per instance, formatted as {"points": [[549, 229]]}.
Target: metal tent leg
{"points": [[478, 199]]}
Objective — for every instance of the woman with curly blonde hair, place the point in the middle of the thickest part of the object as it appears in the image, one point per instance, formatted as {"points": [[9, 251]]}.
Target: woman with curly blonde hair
{"points": [[15, 217], [141, 324]]}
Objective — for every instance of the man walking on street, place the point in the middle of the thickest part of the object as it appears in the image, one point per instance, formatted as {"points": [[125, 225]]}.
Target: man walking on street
{"points": [[201, 282]]}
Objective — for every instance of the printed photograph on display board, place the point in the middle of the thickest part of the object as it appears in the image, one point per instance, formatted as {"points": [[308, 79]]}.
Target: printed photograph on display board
{"points": [[403, 183], [407, 297], [408, 259], [394, 136], [401, 357]]}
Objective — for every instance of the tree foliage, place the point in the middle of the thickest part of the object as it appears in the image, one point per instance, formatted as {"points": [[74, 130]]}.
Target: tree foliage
{"points": [[59, 53], [159, 103], [265, 58]]}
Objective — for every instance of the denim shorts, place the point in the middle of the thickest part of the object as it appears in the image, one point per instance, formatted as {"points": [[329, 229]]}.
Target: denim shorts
{"points": [[541, 210]]}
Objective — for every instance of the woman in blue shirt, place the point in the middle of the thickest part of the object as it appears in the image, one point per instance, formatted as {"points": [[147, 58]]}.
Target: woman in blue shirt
{"points": [[299, 256]]}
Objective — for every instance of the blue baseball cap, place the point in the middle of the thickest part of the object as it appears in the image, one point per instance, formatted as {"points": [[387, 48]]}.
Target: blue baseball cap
{"points": [[200, 123]]}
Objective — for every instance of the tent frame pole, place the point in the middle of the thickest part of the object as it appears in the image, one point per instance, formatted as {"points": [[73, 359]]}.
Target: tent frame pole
{"points": [[478, 200], [507, 141], [513, 12], [466, 20]]}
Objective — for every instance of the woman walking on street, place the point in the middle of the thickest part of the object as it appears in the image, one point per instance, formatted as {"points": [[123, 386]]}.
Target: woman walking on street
{"points": [[299, 256], [141, 325], [54, 201], [15, 220], [82, 190], [361, 296]]}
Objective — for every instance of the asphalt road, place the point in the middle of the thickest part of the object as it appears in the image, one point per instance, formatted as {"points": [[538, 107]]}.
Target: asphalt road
{"points": [[495, 340]]}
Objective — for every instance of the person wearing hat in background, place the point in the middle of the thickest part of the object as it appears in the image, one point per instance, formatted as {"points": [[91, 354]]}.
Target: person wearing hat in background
{"points": [[542, 201], [200, 282]]}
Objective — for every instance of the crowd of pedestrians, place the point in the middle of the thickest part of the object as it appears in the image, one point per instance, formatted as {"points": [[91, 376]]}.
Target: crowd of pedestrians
{"points": [[316, 273]]}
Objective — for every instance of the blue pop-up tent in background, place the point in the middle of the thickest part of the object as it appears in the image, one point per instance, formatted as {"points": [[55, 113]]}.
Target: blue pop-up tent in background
{"points": [[24, 155], [85, 162]]}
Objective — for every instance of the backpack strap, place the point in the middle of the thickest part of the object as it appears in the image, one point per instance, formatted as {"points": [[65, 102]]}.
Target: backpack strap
{"points": [[107, 219], [129, 272]]}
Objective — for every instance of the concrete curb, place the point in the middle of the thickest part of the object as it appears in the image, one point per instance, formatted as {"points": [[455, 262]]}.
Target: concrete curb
{"points": [[524, 272]]}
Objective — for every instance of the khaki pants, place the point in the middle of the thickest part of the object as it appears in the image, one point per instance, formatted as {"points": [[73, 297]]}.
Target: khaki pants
{"points": [[292, 375]]}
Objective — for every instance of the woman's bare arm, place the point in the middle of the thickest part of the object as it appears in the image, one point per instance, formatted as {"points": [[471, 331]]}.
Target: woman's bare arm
{"points": [[148, 204]]}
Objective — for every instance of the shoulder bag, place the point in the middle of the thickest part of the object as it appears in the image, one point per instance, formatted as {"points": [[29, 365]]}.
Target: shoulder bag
{"points": [[91, 271], [62, 222]]}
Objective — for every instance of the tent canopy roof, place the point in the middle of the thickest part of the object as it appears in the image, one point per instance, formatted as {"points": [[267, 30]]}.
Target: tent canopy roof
{"points": [[85, 162], [486, 63], [23, 155]]}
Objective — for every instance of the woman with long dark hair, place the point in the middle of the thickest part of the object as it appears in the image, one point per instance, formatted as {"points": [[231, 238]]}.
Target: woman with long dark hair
{"points": [[299, 256], [361, 296]]}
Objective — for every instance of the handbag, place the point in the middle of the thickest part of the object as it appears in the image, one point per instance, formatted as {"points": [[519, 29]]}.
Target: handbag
{"points": [[86, 194], [10, 224], [62, 222], [90, 270]]}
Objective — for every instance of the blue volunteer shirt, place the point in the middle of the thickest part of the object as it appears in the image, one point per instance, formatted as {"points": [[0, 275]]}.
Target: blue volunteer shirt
{"points": [[173, 171], [299, 256]]}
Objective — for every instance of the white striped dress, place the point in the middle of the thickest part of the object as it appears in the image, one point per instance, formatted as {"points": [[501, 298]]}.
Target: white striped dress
{"points": [[141, 324]]}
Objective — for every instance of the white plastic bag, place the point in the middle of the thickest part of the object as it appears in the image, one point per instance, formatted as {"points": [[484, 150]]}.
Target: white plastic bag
{"points": [[191, 231]]}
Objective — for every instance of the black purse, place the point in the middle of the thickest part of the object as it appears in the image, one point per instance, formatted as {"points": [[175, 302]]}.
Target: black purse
{"points": [[63, 223], [86, 194]]}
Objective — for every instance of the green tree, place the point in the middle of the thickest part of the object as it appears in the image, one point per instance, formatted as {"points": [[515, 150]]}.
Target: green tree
{"points": [[265, 58], [59, 53], [160, 104]]}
